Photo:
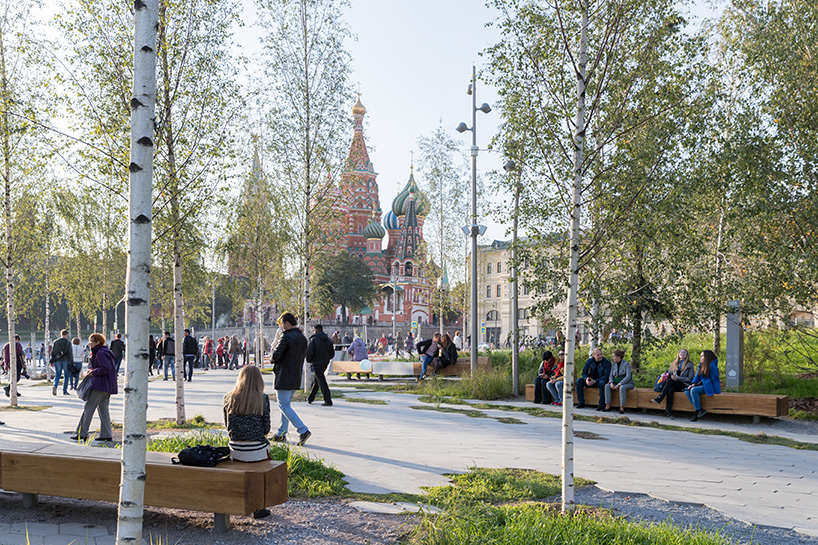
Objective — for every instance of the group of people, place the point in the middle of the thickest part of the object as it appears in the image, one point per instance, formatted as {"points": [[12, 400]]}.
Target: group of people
{"points": [[616, 376]]}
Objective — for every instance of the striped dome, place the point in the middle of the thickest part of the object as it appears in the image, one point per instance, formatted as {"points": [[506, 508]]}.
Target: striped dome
{"points": [[374, 230], [401, 203], [391, 221]]}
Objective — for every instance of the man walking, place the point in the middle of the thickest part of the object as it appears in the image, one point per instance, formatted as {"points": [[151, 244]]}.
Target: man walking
{"points": [[234, 350], [169, 354], [190, 349], [117, 348], [319, 353], [288, 358], [61, 356]]}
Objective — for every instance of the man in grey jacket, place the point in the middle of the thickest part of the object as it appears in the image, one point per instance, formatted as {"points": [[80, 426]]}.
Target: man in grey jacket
{"points": [[288, 359]]}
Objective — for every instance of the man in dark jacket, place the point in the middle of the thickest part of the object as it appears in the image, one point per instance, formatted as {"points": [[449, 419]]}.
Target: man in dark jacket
{"points": [[595, 374], [319, 353], [169, 354], [117, 348], [190, 349], [61, 356], [288, 359]]}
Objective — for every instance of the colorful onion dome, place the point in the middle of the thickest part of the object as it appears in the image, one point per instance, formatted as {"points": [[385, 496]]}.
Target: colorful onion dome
{"points": [[401, 203], [391, 221], [374, 230]]}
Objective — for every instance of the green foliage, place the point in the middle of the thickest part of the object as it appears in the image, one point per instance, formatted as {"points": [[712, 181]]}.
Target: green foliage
{"points": [[306, 476], [343, 280]]}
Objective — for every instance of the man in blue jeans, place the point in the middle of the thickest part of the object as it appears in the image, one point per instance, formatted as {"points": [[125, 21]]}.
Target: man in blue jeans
{"points": [[169, 354], [288, 360], [61, 356], [427, 350], [595, 374]]}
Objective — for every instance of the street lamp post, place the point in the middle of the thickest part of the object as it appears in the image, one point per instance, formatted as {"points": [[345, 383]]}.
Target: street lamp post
{"points": [[474, 229], [515, 304], [394, 304]]}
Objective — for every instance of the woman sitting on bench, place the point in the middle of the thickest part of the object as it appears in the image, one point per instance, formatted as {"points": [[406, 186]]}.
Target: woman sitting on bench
{"points": [[247, 419], [448, 353], [680, 375], [619, 379], [706, 381]]}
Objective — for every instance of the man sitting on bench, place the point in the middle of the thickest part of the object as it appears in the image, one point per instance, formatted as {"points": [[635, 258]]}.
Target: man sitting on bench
{"points": [[594, 375], [427, 350]]}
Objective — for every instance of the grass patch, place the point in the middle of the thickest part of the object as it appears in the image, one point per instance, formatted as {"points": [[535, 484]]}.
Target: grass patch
{"points": [[472, 413], [795, 414], [24, 407], [365, 400], [500, 506], [588, 435], [508, 420], [198, 422], [306, 476]]}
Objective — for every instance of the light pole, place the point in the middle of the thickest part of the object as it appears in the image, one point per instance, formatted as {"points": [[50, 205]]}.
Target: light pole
{"points": [[213, 313], [443, 286], [394, 303], [474, 229], [515, 318]]}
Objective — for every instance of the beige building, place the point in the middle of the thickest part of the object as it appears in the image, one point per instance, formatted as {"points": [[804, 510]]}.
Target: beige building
{"points": [[494, 300]]}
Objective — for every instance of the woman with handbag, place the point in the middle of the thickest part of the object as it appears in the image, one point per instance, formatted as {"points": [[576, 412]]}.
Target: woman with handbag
{"points": [[678, 379], [620, 379], [705, 382], [247, 419], [103, 384], [544, 372]]}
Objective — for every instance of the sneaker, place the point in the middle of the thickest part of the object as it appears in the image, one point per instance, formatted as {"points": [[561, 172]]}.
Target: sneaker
{"points": [[105, 439], [261, 513], [326, 404], [656, 400], [579, 405], [78, 438], [701, 413], [303, 437], [558, 403], [670, 415], [280, 438], [54, 391], [694, 419]]}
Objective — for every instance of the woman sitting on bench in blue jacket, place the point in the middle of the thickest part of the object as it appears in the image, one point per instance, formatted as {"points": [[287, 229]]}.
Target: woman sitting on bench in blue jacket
{"points": [[706, 381]]}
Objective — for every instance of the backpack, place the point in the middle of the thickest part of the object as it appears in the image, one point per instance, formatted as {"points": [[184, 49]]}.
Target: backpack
{"points": [[202, 456]]}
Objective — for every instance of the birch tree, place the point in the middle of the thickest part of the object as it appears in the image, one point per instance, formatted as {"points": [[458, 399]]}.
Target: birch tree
{"points": [[137, 313], [563, 68], [307, 98]]}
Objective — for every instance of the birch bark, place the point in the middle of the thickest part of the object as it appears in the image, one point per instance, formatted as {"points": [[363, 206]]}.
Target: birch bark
{"points": [[571, 318], [137, 306]]}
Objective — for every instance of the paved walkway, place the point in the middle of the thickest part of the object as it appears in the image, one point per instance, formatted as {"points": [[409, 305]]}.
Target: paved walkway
{"points": [[393, 447]]}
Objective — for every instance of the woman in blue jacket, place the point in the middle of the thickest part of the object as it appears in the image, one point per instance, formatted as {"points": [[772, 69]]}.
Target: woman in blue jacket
{"points": [[706, 381]]}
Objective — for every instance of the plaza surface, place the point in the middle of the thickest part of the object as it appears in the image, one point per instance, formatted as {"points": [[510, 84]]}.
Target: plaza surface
{"points": [[395, 448]]}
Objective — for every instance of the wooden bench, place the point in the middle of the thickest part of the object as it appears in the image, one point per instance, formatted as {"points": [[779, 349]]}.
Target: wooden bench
{"points": [[755, 405], [231, 488], [401, 368]]}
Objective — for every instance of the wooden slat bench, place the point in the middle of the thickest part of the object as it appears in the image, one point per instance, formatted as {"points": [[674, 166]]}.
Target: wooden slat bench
{"points": [[755, 405], [231, 488], [401, 368]]}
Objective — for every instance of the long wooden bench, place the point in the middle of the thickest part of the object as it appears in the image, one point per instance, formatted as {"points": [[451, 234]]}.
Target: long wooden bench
{"points": [[231, 488], [755, 405], [401, 368]]}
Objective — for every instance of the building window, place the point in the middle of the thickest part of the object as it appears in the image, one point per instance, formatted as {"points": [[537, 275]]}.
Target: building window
{"points": [[522, 314], [493, 316], [488, 268], [488, 292], [408, 268], [499, 290], [499, 267], [525, 288]]}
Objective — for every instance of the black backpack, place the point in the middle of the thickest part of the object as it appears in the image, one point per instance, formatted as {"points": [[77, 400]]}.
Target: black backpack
{"points": [[202, 456]]}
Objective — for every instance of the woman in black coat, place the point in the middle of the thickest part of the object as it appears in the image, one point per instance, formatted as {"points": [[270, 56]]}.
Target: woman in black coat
{"points": [[448, 353]]}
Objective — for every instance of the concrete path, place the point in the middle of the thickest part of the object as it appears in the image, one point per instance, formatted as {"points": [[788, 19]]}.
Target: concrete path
{"points": [[392, 447]]}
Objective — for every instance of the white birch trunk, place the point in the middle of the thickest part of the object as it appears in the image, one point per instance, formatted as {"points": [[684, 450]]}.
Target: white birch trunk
{"points": [[137, 306], [178, 331], [571, 318], [47, 355]]}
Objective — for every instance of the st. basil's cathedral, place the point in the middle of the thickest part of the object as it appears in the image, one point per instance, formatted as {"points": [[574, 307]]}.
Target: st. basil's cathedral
{"points": [[401, 266]]}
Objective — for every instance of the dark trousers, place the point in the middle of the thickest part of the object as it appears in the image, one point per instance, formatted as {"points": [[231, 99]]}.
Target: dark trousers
{"points": [[117, 363], [187, 366], [668, 389], [320, 381], [541, 393], [581, 391]]}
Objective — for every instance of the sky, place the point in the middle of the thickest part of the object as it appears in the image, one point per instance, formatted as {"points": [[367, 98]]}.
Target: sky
{"points": [[412, 63]]}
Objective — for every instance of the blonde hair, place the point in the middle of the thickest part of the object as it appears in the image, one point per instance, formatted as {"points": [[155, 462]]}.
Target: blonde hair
{"points": [[247, 396], [685, 362]]}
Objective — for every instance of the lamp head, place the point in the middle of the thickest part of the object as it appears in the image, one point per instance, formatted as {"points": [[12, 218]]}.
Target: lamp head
{"points": [[470, 89], [510, 166], [462, 127], [485, 108], [466, 230], [481, 230]]}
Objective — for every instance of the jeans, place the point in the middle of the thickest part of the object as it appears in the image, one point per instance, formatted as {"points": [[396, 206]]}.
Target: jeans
{"points": [[170, 361], [581, 391], [425, 360], [284, 398], [61, 369], [234, 360], [97, 402], [75, 377], [541, 393], [555, 389], [205, 361], [693, 395], [187, 366], [117, 364]]}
